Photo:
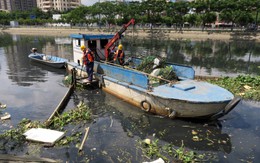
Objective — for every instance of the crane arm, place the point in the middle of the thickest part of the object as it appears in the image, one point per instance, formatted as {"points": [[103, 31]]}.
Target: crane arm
{"points": [[116, 37]]}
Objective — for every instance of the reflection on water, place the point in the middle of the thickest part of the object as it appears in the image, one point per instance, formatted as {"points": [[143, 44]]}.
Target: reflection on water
{"points": [[119, 125], [15, 57], [211, 57], [33, 91], [29, 90], [197, 136]]}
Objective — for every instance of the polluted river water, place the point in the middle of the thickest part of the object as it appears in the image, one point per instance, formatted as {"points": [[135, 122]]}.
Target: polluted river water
{"points": [[33, 91]]}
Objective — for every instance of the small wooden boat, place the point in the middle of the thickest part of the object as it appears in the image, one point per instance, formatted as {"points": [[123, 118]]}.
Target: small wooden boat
{"points": [[48, 60]]}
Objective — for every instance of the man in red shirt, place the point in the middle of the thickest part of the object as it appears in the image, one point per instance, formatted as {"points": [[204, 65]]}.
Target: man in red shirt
{"points": [[88, 61]]}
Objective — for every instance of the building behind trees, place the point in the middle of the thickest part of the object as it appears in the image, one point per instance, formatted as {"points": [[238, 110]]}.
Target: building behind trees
{"points": [[44, 5], [17, 5], [58, 5]]}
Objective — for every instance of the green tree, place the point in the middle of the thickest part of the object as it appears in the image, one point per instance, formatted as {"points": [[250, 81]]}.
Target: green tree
{"points": [[181, 9], [4, 18], [192, 19], [154, 9], [205, 10], [77, 15], [107, 12], [256, 4], [127, 11], [244, 19], [40, 14], [231, 11]]}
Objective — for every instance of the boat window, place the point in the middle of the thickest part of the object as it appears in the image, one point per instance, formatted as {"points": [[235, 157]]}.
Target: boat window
{"points": [[92, 44], [78, 42], [103, 43]]}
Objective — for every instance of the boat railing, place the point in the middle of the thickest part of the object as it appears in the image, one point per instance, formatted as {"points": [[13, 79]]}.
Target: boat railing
{"points": [[147, 83], [122, 74]]}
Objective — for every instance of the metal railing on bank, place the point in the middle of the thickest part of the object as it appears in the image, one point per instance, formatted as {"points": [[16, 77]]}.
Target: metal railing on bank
{"points": [[137, 28]]}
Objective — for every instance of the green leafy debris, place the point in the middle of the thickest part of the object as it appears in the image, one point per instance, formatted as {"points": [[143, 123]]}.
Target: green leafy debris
{"points": [[165, 72], [168, 73], [168, 153], [146, 64], [17, 133], [245, 86], [79, 114]]}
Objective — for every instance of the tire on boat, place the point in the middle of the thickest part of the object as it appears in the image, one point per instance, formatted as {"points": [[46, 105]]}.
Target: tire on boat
{"points": [[145, 106]]}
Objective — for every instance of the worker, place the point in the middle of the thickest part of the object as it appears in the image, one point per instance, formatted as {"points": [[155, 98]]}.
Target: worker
{"points": [[88, 61], [119, 56], [34, 50], [43, 56]]}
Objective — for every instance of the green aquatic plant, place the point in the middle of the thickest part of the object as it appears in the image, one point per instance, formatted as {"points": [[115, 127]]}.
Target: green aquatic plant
{"points": [[164, 73], [17, 133], [67, 80], [73, 138], [184, 155], [162, 133], [152, 150], [79, 114], [245, 86], [146, 64], [168, 73]]}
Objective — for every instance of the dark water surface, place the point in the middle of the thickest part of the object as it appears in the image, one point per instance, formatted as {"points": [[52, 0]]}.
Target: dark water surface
{"points": [[33, 91]]}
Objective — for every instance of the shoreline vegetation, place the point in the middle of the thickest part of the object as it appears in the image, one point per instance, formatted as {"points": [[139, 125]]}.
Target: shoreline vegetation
{"points": [[169, 33]]}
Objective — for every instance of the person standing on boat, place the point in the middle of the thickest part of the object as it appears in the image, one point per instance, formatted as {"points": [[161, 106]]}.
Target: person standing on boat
{"points": [[119, 56], [34, 50], [88, 61]]}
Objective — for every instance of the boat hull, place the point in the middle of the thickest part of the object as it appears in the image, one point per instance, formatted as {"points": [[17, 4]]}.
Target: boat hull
{"points": [[164, 107], [203, 100]]}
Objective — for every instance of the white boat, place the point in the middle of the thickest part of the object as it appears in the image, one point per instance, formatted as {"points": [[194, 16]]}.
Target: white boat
{"points": [[49, 60]]}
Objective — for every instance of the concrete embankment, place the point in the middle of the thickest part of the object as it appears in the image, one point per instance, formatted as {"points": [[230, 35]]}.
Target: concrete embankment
{"points": [[168, 33]]}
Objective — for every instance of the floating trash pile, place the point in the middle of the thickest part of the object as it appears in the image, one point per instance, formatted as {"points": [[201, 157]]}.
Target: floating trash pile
{"points": [[5, 115]]}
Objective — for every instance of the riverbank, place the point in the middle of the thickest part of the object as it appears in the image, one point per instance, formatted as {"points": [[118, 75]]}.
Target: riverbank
{"points": [[167, 33]]}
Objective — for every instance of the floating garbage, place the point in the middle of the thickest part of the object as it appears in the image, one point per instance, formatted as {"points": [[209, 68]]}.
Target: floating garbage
{"points": [[43, 135], [147, 141], [159, 160], [5, 116], [2, 106]]}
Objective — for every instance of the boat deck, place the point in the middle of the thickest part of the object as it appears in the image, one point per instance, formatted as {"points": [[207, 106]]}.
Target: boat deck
{"points": [[192, 90]]}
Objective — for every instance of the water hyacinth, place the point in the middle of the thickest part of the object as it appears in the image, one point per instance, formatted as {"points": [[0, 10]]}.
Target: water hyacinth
{"points": [[245, 86]]}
